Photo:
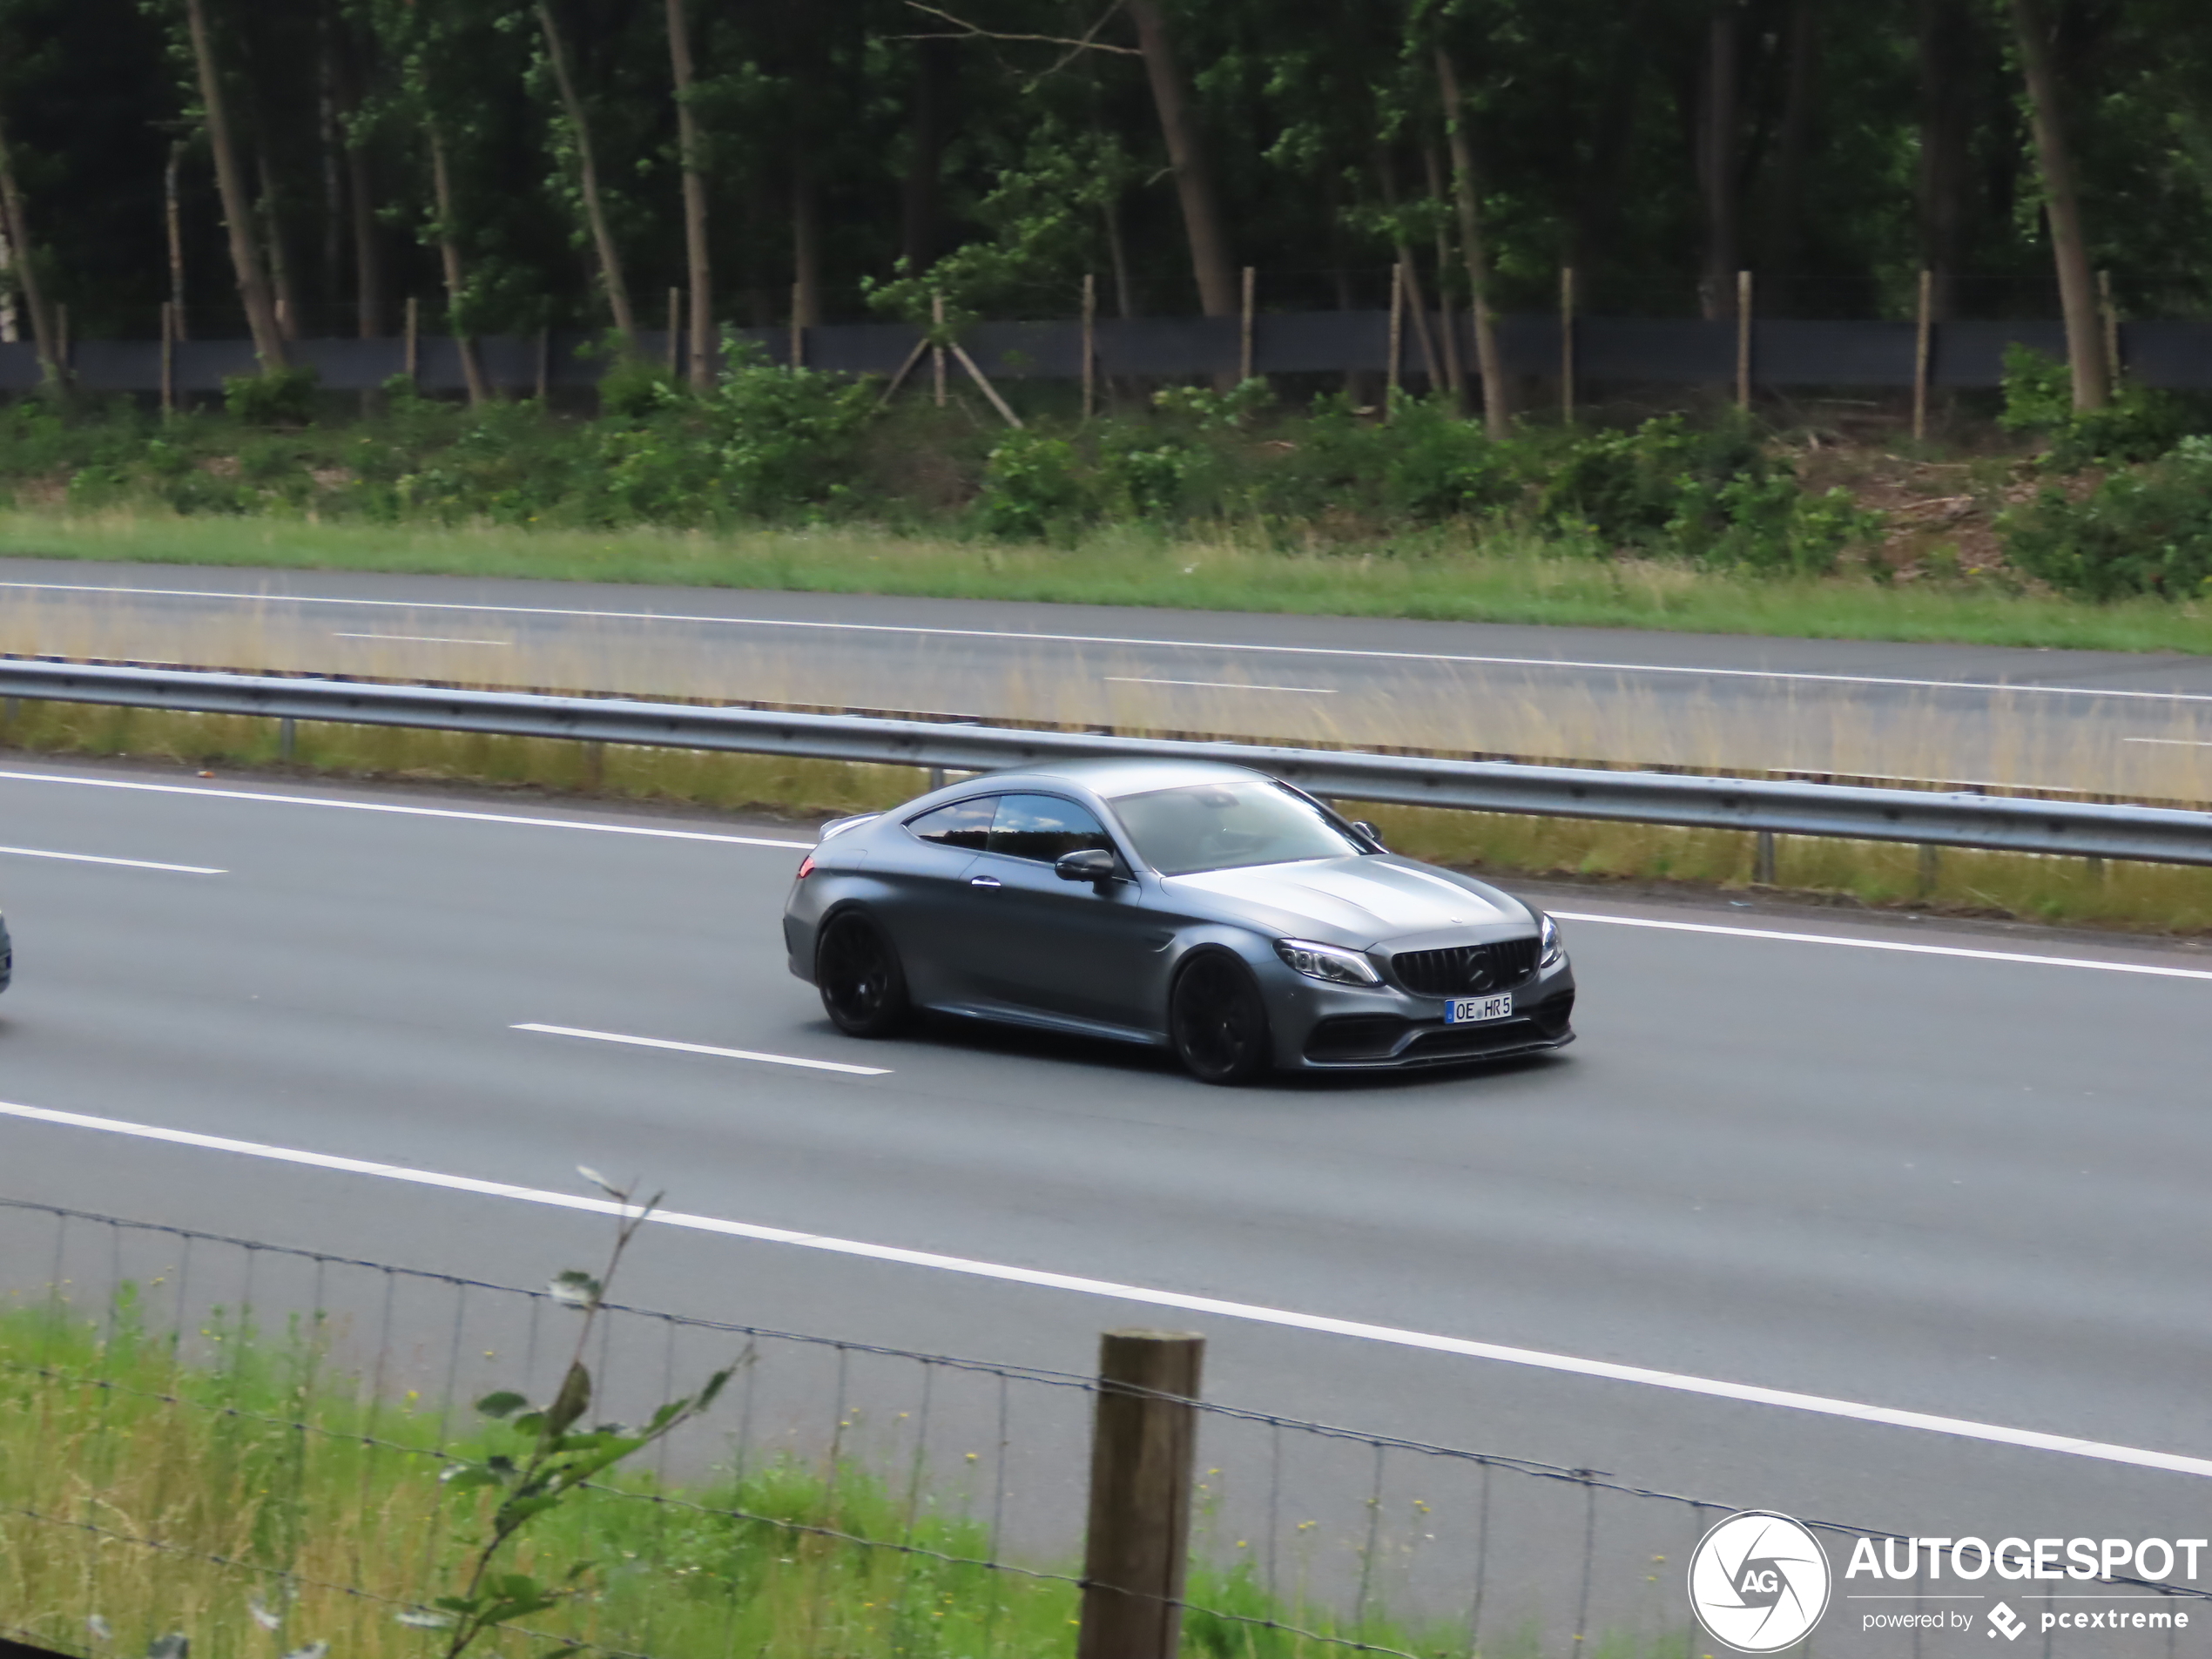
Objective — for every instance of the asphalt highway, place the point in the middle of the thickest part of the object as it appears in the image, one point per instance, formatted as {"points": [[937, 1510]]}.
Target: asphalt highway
{"points": [[2137, 726], [1911, 1170]]}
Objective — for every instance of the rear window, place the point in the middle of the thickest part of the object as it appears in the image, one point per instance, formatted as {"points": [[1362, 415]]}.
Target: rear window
{"points": [[965, 825]]}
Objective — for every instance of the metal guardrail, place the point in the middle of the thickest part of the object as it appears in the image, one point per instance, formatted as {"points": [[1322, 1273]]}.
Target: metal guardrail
{"points": [[2078, 829]]}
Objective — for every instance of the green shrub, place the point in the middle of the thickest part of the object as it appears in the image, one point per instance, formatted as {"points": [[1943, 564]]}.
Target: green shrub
{"points": [[1632, 488], [273, 397], [2143, 531], [2140, 423], [1035, 488]]}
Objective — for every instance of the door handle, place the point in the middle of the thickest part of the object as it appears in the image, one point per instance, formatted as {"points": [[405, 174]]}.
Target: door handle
{"points": [[985, 881]]}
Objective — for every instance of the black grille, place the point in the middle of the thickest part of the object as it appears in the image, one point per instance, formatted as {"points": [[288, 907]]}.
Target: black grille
{"points": [[1356, 1036], [1466, 970]]}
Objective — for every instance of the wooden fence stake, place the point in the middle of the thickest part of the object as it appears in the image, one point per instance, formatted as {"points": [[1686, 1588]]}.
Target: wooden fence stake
{"points": [[1743, 339], [62, 341], [798, 331], [675, 326], [936, 346], [1397, 338], [545, 363], [1566, 344], [1245, 332], [1004, 409], [1144, 1446], [2112, 365], [891, 390], [1090, 344], [168, 358], [413, 356], [1923, 356]]}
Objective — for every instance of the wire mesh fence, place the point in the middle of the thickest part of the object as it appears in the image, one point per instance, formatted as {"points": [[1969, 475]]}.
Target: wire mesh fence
{"points": [[261, 1446]]}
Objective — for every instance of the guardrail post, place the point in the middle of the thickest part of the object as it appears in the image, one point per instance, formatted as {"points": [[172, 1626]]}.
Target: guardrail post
{"points": [[288, 738], [1143, 1450], [1931, 867], [1763, 860]]}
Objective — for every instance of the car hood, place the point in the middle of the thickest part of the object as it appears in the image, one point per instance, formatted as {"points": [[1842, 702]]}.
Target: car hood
{"points": [[1356, 901]]}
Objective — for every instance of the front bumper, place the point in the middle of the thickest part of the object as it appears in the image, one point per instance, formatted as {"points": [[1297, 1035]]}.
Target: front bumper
{"points": [[1325, 1028]]}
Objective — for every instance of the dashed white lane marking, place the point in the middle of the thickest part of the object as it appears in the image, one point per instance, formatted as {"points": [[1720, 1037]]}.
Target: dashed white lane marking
{"points": [[701, 1048], [1604, 1370], [1112, 639], [1221, 685], [403, 812], [2171, 743], [127, 863], [1889, 944], [423, 640]]}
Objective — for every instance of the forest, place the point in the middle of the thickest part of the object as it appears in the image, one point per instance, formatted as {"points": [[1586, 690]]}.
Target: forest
{"points": [[232, 169]]}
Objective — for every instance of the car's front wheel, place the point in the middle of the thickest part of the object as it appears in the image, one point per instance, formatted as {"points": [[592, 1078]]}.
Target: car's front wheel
{"points": [[1217, 1019], [856, 969]]}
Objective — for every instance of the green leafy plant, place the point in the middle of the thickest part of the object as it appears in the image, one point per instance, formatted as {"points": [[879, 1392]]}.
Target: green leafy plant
{"points": [[547, 1458], [2140, 423], [272, 397], [1035, 488], [2147, 530]]}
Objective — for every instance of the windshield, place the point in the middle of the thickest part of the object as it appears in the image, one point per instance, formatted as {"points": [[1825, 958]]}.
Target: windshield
{"points": [[1227, 826]]}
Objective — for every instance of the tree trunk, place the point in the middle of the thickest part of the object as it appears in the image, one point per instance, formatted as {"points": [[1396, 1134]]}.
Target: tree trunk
{"points": [[1416, 301], [697, 272], [921, 213], [2085, 348], [1455, 371], [456, 282], [1496, 415], [286, 292], [1946, 118], [172, 222], [1718, 184], [1202, 221], [602, 240], [237, 205], [18, 232], [1785, 236], [806, 244]]}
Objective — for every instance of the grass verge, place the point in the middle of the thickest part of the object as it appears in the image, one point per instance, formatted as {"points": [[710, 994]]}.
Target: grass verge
{"points": [[257, 1497], [2151, 898], [1455, 573]]}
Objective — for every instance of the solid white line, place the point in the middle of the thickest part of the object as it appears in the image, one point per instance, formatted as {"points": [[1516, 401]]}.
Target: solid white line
{"points": [[128, 864], [1890, 944], [1886, 1416], [422, 639], [1220, 685], [701, 1048], [2171, 743], [1111, 639], [404, 811]]}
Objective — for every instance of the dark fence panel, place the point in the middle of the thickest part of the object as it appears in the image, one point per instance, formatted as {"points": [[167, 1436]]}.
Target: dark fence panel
{"points": [[1663, 351]]}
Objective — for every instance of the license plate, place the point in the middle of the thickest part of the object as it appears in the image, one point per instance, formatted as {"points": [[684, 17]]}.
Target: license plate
{"points": [[1472, 1010]]}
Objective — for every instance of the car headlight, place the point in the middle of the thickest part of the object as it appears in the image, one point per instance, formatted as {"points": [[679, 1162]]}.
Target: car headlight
{"points": [[1327, 963], [1552, 952]]}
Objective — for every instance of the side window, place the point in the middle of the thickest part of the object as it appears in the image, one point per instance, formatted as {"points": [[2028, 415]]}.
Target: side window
{"points": [[1045, 828], [963, 827]]}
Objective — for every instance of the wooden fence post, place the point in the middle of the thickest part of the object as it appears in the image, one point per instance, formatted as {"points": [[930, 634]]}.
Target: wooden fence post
{"points": [[1397, 338], [545, 362], [1923, 356], [1245, 333], [1743, 339], [413, 357], [168, 358], [2111, 325], [1144, 1447], [675, 326], [798, 329], [1090, 344], [1566, 344], [936, 346]]}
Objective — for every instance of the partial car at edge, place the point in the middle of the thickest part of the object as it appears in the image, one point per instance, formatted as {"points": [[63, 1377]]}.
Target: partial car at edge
{"points": [[1192, 904]]}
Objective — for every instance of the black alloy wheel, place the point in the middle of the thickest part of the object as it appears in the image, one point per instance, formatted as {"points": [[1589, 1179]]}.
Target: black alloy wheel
{"points": [[1217, 1022], [863, 990]]}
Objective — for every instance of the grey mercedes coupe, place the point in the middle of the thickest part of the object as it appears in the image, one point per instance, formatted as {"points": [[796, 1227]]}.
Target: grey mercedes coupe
{"points": [[1191, 905]]}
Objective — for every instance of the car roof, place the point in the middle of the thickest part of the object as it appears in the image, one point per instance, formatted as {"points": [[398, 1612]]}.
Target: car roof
{"points": [[1114, 777]]}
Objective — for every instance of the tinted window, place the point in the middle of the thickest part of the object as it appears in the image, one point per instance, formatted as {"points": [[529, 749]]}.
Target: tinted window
{"points": [[1045, 828], [965, 825], [1227, 825]]}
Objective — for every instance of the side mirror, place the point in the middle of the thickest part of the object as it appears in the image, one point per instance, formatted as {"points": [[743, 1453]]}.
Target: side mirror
{"points": [[1369, 830], [1093, 864]]}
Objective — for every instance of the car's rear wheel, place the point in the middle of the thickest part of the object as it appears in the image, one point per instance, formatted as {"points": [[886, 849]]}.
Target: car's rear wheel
{"points": [[1217, 1019], [856, 969]]}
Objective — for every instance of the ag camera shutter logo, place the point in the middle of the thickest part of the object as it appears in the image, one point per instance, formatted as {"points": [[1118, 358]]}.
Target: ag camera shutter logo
{"points": [[1759, 1582]]}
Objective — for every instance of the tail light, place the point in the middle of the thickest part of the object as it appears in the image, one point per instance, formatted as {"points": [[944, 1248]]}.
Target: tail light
{"points": [[806, 867]]}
